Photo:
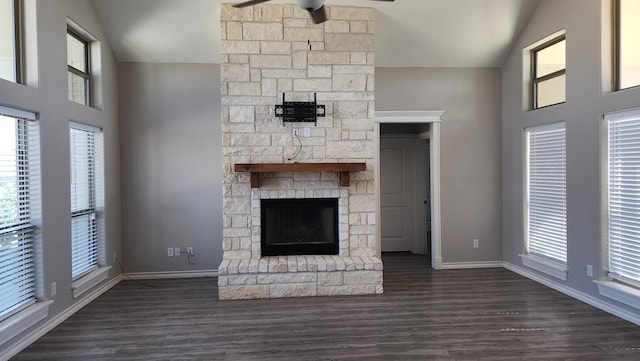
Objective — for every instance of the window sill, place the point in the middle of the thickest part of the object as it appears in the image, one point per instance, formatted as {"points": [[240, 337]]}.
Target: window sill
{"points": [[550, 268], [90, 280], [616, 291], [22, 320]]}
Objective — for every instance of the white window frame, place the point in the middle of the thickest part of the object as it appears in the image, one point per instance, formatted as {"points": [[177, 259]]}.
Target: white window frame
{"points": [[545, 242], [29, 309], [620, 218], [88, 261]]}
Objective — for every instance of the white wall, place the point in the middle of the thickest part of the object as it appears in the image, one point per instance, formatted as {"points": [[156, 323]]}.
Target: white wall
{"points": [[470, 150], [582, 112], [47, 96], [171, 165]]}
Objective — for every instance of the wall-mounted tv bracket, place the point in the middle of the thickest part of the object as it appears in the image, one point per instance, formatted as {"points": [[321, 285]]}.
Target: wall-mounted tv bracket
{"points": [[300, 111]]}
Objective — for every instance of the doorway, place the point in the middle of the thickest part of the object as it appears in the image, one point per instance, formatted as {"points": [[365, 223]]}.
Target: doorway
{"points": [[404, 188], [408, 188]]}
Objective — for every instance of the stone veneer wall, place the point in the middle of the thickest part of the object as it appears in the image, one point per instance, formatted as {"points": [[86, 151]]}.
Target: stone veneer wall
{"points": [[269, 49]]}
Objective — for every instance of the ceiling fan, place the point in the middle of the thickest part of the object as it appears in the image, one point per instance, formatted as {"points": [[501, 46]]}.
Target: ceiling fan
{"points": [[315, 8]]}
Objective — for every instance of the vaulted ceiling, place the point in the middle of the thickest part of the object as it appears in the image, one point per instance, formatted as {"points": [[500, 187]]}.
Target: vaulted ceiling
{"points": [[409, 33]]}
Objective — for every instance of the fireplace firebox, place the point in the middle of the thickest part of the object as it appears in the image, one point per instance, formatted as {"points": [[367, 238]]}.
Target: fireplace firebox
{"points": [[306, 226]]}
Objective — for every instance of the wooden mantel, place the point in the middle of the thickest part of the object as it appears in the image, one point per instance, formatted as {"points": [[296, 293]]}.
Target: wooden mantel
{"points": [[343, 170]]}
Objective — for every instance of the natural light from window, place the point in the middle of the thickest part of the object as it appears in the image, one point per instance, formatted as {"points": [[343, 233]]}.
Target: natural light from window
{"points": [[86, 148], [623, 194], [17, 282], [551, 59], [549, 79], [628, 38], [7, 41], [8, 176], [546, 192], [8, 209], [78, 74]]}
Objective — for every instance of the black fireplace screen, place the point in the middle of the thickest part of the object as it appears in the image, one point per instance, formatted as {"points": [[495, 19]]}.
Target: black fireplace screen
{"points": [[306, 226]]}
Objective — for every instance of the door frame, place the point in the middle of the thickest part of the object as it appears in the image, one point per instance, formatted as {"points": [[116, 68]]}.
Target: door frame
{"points": [[426, 117]]}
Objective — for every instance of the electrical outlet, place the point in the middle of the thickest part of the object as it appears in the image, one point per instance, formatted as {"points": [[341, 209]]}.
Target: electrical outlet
{"points": [[170, 252], [295, 132], [190, 251], [114, 257], [53, 289], [307, 132], [589, 270], [476, 243], [176, 251]]}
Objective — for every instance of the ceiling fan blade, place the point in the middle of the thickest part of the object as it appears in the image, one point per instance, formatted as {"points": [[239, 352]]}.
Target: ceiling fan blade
{"points": [[319, 15], [249, 3]]}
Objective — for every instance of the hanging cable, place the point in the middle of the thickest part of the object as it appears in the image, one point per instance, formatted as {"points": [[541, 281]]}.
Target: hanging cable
{"points": [[299, 148], [131, 279]]}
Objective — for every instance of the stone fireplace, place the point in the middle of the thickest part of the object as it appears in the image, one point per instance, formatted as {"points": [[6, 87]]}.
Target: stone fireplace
{"points": [[268, 50]]}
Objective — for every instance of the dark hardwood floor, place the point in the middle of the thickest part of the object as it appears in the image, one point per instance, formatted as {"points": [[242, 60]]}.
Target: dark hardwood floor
{"points": [[485, 314]]}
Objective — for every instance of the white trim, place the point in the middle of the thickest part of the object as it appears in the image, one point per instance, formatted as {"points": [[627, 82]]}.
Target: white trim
{"points": [[436, 218], [539, 264], [90, 280], [434, 118], [40, 331], [376, 127], [17, 113], [172, 274], [466, 265], [616, 291], [22, 320], [408, 116], [597, 303], [85, 127], [627, 113], [88, 37], [546, 127]]}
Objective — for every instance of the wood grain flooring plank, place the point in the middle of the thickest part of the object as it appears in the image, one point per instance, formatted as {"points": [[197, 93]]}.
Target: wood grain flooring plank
{"points": [[484, 314]]}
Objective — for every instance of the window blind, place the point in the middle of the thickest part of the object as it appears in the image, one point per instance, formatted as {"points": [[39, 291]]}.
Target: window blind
{"points": [[86, 202], [546, 192], [624, 196], [19, 206]]}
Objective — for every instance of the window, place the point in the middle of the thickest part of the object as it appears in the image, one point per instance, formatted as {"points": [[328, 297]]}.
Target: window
{"points": [[86, 198], [548, 67], [78, 66], [546, 205], [18, 209], [624, 196], [10, 40], [627, 53]]}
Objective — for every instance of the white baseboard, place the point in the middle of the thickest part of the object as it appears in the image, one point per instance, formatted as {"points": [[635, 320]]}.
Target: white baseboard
{"points": [[172, 274], [49, 325], [464, 265], [581, 296], [437, 263]]}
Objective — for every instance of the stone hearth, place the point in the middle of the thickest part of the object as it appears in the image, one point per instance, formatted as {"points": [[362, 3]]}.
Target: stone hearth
{"points": [[269, 49]]}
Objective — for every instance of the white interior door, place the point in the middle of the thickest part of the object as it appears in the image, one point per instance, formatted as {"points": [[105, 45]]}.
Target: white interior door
{"points": [[396, 194]]}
